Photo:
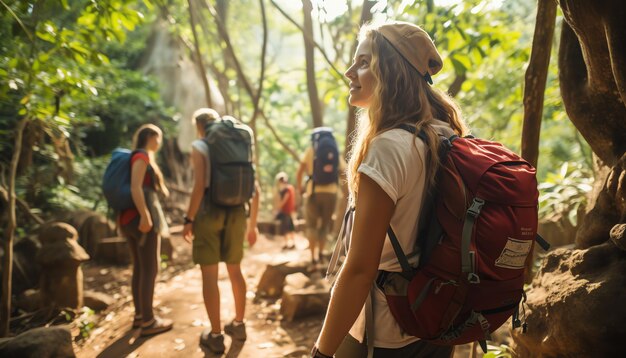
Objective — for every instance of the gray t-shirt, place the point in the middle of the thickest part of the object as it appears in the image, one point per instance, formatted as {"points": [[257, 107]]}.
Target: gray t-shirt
{"points": [[201, 147]]}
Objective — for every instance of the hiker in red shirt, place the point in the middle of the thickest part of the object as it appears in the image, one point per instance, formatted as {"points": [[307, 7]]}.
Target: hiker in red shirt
{"points": [[388, 174], [286, 207], [143, 225]]}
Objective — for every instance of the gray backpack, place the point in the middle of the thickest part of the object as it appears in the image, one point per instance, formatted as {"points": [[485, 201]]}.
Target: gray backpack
{"points": [[232, 171]]}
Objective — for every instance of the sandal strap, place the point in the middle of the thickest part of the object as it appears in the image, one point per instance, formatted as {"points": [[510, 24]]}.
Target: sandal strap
{"points": [[150, 323]]}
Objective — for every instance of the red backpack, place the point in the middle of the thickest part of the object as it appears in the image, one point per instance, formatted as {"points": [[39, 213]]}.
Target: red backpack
{"points": [[477, 230]]}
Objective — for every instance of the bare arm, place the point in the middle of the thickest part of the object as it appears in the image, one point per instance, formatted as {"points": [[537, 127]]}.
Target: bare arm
{"points": [[284, 199], [253, 232], [137, 174], [197, 192], [299, 175], [372, 217]]}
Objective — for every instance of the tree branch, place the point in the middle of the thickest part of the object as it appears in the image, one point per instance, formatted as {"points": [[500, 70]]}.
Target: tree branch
{"points": [[22, 205], [337, 73], [198, 55], [279, 139]]}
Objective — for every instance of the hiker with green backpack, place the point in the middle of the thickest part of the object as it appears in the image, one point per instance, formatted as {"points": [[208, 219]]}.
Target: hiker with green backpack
{"points": [[216, 221], [432, 250]]}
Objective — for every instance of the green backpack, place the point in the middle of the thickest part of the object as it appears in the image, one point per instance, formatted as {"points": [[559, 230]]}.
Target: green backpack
{"points": [[232, 171]]}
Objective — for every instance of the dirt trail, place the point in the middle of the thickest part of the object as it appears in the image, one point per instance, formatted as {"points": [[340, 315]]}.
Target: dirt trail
{"points": [[180, 298]]}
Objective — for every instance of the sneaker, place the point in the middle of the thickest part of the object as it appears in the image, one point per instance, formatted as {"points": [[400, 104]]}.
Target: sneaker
{"points": [[213, 343], [156, 326], [236, 331]]}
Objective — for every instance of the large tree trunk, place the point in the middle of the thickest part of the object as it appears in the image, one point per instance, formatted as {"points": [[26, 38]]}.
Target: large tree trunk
{"points": [[309, 53], [592, 63], [592, 60]]}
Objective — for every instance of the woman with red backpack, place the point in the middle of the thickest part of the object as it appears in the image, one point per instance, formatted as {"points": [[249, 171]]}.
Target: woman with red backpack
{"points": [[143, 225], [389, 171]]}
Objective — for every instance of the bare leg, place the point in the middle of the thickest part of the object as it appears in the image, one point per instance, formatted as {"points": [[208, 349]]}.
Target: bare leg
{"points": [[239, 290], [211, 295]]}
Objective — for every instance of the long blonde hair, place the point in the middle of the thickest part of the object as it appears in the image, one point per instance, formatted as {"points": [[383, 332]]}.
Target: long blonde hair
{"points": [[140, 141], [401, 96]]}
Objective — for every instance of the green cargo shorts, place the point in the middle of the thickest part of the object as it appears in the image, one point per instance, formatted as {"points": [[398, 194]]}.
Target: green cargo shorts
{"points": [[218, 235]]}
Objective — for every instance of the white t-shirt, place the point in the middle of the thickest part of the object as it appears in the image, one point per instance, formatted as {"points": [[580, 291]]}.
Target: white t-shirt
{"points": [[201, 147], [395, 161]]}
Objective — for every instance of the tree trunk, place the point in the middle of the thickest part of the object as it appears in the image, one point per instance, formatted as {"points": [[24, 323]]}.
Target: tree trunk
{"points": [[535, 79], [309, 53], [7, 268], [455, 87], [198, 55], [592, 64], [259, 92], [535, 87], [592, 60]]}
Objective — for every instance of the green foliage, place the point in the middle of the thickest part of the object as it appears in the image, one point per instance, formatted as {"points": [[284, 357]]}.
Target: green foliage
{"points": [[67, 72], [86, 323], [501, 351], [71, 71], [565, 192]]}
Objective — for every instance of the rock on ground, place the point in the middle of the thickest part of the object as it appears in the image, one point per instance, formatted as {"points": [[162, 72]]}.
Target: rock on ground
{"points": [[47, 342], [97, 301], [575, 305]]}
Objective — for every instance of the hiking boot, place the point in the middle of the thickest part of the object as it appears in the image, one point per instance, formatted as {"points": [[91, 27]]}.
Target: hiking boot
{"points": [[156, 326], [236, 331], [213, 343]]}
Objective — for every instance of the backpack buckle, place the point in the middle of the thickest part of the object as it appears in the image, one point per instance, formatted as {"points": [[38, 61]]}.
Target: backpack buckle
{"points": [[476, 207], [473, 278]]}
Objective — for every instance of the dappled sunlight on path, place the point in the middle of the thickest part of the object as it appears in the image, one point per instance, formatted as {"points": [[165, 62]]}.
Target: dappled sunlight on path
{"points": [[180, 299]]}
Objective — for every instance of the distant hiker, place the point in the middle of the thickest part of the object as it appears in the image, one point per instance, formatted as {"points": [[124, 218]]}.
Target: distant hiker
{"points": [[322, 165], [285, 209], [387, 175], [224, 183], [143, 224]]}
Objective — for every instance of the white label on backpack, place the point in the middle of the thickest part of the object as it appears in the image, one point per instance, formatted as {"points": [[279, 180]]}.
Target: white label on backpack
{"points": [[514, 254]]}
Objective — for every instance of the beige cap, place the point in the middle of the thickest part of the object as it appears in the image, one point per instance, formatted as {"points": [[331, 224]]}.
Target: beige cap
{"points": [[208, 114], [282, 176], [414, 45]]}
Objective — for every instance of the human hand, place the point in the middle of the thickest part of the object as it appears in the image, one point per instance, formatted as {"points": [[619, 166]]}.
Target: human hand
{"points": [[252, 235], [188, 232], [145, 223]]}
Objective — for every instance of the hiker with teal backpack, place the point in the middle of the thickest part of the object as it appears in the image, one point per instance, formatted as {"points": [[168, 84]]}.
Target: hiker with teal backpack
{"points": [[216, 221], [322, 165], [433, 248], [131, 184]]}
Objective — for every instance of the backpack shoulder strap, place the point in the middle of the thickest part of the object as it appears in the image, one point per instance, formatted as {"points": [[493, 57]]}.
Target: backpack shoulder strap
{"points": [[407, 270], [430, 229]]}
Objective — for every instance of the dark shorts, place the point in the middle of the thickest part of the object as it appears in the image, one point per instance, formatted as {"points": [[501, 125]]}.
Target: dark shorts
{"points": [[285, 224], [351, 348]]}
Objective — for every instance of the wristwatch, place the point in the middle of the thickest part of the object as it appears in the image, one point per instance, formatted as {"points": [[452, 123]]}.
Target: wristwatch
{"points": [[315, 353], [187, 220]]}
